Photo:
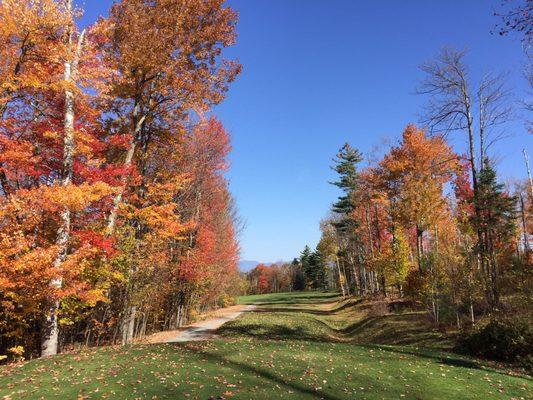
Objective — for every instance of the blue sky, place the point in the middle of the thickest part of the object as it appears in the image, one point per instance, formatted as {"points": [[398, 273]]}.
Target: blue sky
{"points": [[318, 73]]}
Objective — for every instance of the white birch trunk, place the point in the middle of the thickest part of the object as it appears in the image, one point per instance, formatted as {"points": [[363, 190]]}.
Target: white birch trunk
{"points": [[128, 326], [50, 334], [528, 173]]}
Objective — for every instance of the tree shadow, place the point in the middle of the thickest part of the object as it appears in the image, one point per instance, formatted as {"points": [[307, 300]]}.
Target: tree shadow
{"points": [[272, 332], [289, 309], [389, 338], [285, 333], [260, 372], [269, 375], [395, 329], [299, 299], [389, 332], [443, 357]]}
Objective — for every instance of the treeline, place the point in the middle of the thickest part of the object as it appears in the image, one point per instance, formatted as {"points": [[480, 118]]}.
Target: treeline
{"points": [[308, 272], [427, 223], [115, 215]]}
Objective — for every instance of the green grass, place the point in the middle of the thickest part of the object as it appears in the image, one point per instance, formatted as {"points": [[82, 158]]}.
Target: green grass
{"points": [[295, 346], [294, 298]]}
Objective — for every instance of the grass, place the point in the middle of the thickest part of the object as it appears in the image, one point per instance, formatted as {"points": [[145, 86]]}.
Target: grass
{"points": [[295, 346], [294, 298], [334, 320]]}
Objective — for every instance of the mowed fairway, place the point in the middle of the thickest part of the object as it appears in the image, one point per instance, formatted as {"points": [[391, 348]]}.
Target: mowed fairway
{"points": [[294, 346]]}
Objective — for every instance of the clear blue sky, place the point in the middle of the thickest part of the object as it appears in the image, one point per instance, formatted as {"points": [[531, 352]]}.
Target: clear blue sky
{"points": [[318, 73]]}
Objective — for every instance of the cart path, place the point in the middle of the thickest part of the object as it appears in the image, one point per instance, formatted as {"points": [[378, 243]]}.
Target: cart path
{"points": [[201, 330]]}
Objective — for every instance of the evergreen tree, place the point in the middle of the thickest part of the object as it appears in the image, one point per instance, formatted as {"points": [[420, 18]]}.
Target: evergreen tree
{"points": [[346, 225], [305, 262], [317, 270], [313, 267], [496, 221], [298, 277], [346, 166]]}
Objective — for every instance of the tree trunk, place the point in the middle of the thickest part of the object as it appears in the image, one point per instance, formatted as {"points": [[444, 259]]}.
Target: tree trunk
{"points": [[528, 173], [494, 276], [472, 161], [383, 285], [419, 247], [128, 324], [50, 335], [341, 283], [128, 321], [435, 307], [117, 200], [347, 287], [524, 226]]}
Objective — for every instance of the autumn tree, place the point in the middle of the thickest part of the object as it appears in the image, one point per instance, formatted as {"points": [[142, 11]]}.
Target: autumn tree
{"points": [[48, 154], [329, 248], [400, 264], [154, 88], [110, 191], [413, 175], [455, 104]]}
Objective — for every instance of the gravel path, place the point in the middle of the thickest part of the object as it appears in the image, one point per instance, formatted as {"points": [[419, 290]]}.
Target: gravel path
{"points": [[204, 330]]}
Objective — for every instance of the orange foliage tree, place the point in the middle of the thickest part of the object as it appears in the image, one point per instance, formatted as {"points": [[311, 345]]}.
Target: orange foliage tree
{"points": [[111, 192]]}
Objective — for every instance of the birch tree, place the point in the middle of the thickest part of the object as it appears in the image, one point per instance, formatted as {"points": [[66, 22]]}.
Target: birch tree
{"points": [[453, 105], [74, 44]]}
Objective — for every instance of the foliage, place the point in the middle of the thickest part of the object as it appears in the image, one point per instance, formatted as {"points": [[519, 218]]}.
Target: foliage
{"points": [[272, 278], [404, 235], [309, 272], [346, 167], [503, 340], [122, 223]]}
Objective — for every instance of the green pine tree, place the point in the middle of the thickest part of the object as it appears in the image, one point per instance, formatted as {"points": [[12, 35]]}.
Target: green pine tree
{"points": [[305, 262], [346, 166], [496, 221], [298, 277], [318, 270]]}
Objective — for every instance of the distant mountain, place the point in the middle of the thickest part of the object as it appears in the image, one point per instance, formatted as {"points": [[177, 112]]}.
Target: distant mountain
{"points": [[247, 265]]}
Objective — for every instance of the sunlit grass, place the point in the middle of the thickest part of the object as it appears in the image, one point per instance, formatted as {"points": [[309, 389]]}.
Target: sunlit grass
{"points": [[296, 346]]}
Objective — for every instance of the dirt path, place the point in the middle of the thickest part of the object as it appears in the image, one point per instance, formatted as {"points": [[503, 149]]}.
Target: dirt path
{"points": [[201, 330]]}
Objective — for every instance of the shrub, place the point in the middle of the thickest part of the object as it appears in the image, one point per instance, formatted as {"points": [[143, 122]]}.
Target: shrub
{"points": [[17, 353], [501, 340], [226, 300]]}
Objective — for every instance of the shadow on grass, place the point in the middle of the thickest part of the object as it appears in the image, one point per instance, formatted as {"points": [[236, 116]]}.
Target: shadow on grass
{"points": [[263, 373], [442, 357], [304, 310], [389, 332], [270, 376], [272, 332], [319, 298], [404, 329], [372, 332], [285, 333]]}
